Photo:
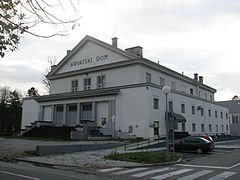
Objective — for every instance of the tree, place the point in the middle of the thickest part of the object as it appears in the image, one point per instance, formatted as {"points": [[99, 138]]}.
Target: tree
{"points": [[10, 110], [32, 92], [52, 62], [20, 16]]}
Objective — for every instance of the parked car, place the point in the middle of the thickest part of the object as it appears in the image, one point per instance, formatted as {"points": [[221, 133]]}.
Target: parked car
{"points": [[194, 144], [209, 138]]}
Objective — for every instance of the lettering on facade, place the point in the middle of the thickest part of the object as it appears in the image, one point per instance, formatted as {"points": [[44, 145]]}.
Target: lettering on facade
{"points": [[90, 60]]}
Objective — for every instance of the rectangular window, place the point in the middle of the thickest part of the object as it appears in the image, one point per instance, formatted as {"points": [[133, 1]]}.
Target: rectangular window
{"points": [[183, 88], [183, 127], [87, 83], [130, 129], [193, 127], [193, 109], [162, 81], [222, 128], [148, 78], [101, 82], [202, 111], [221, 115], [72, 108], [226, 127], [211, 98], [210, 128], [202, 128], [74, 85], [215, 114], [191, 91], [182, 108], [205, 95], [170, 106], [209, 113], [226, 115], [156, 128], [173, 85], [155, 103], [216, 128], [199, 93]]}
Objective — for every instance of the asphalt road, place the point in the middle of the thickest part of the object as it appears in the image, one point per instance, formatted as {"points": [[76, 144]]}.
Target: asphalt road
{"points": [[25, 171]]}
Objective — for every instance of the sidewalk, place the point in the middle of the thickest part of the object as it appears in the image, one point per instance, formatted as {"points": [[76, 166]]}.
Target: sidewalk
{"points": [[96, 158]]}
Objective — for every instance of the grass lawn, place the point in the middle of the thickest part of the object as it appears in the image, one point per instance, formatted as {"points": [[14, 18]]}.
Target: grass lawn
{"points": [[142, 157]]}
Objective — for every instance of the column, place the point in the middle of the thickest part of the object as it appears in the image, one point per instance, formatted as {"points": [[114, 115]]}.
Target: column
{"points": [[64, 114]]}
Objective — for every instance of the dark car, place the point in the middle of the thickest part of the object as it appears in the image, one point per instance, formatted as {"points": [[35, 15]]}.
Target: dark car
{"points": [[209, 138], [194, 144]]}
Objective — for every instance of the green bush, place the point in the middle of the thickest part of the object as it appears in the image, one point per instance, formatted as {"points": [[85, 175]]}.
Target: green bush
{"points": [[141, 157]]}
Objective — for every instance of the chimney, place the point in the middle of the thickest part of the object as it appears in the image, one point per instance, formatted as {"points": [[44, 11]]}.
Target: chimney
{"points": [[135, 50], [114, 42], [200, 79], [196, 76], [68, 51]]}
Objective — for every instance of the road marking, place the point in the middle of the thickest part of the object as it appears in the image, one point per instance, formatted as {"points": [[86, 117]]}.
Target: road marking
{"points": [[202, 166], [129, 171], [196, 175], [20, 175], [235, 165], [223, 175], [151, 172], [168, 175], [110, 169]]}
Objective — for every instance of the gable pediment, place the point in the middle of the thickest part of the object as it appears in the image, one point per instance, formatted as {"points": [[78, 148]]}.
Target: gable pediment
{"points": [[90, 52]]}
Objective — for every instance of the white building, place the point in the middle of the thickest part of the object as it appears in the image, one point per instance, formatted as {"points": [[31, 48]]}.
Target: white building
{"points": [[119, 93]]}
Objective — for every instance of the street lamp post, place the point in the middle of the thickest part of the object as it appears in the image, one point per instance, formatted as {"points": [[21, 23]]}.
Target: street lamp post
{"points": [[166, 90]]}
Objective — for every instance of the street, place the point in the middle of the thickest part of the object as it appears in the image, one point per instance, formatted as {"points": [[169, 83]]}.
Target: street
{"points": [[26, 171]]}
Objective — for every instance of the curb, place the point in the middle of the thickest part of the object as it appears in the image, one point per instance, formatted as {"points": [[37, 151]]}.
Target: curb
{"points": [[71, 166]]}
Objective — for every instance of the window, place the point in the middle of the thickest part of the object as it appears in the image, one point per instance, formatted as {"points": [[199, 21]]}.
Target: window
{"points": [[193, 127], [182, 108], [209, 113], [202, 111], [202, 128], [221, 115], [183, 88], [222, 128], [199, 93], [156, 128], [87, 83], [173, 85], [155, 103], [183, 127], [211, 98], [170, 106], [226, 127], [205, 95], [215, 114], [191, 91], [148, 78], [193, 109], [72, 108], [210, 128], [130, 129], [74, 85], [226, 115], [216, 128], [101, 82], [59, 108], [162, 81]]}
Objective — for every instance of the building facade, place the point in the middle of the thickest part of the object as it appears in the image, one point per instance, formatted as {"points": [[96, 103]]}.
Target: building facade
{"points": [[234, 115], [119, 93]]}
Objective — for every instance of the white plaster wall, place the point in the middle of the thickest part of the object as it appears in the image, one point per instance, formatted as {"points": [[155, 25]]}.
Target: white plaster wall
{"points": [[30, 112], [132, 110], [91, 50], [114, 77], [168, 81]]}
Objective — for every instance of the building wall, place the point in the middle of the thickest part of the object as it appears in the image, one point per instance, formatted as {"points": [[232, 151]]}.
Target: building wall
{"points": [[30, 112], [114, 77]]}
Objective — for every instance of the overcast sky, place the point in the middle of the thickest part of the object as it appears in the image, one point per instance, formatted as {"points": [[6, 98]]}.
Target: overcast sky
{"points": [[190, 36]]}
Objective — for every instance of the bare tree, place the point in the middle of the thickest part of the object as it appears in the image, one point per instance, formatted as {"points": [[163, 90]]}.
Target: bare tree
{"points": [[52, 62], [21, 16]]}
